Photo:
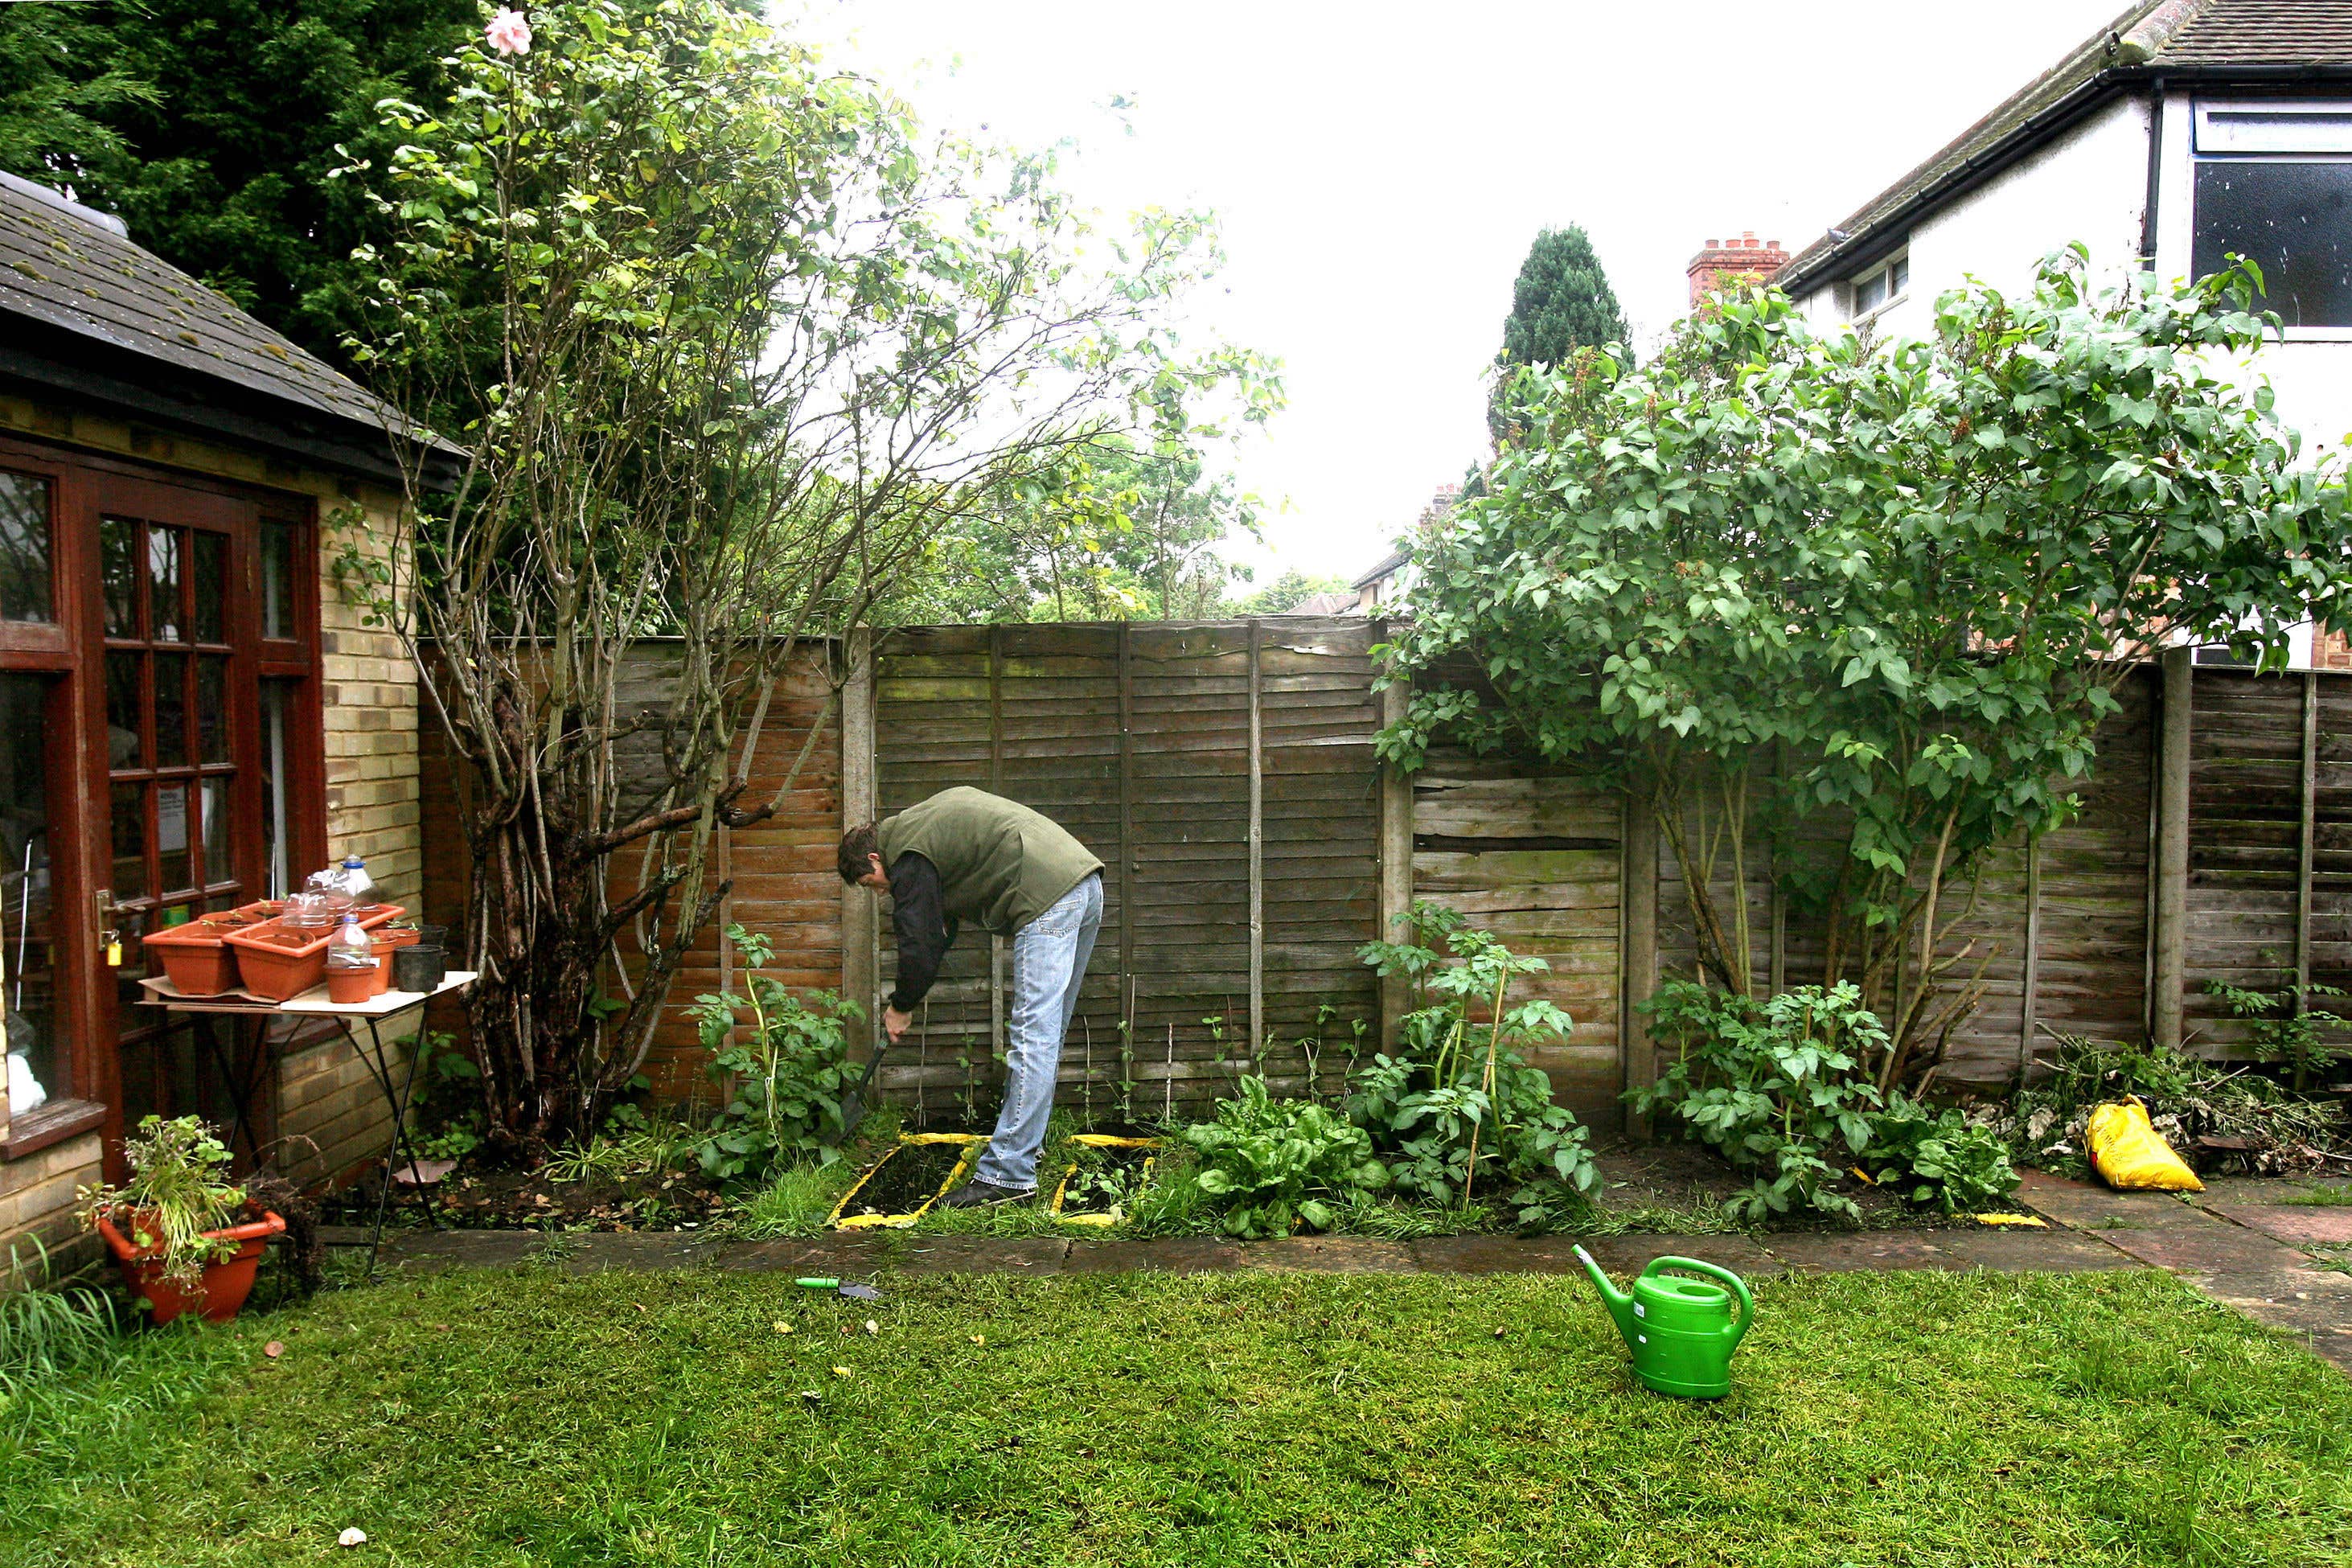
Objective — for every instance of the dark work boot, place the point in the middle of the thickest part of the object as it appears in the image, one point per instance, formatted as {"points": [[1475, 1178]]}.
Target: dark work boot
{"points": [[979, 1195]]}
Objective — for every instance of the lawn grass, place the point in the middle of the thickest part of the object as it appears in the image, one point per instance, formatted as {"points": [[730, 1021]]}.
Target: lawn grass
{"points": [[528, 1418]]}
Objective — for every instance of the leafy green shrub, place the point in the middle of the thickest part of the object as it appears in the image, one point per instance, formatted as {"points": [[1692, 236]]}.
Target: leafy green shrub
{"points": [[1940, 1157], [1275, 1164], [2283, 1035], [445, 1116], [1454, 1094], [788, 1069], [1778, 1088]]}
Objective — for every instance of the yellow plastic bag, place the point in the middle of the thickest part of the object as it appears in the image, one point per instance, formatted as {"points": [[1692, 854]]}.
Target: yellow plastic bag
{"points": [[2132, 1154]]}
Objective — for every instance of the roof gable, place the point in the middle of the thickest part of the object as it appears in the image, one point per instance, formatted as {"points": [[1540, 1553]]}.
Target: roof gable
{"points": [[2152, 37]]}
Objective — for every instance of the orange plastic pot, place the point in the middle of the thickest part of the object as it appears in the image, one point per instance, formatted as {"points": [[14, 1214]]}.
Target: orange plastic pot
{"points": [[345, 986], [197, 957], [221, 1290]]}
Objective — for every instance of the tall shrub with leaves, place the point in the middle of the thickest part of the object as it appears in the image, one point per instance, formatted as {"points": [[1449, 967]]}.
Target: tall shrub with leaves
{"points": [[1778, 1088], [1456, 1091], [759, 345], [1774, 584], [785, 1066]]}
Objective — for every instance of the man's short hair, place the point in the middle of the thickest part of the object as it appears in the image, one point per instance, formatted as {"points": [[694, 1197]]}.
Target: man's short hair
{"points": [[855, 846]]}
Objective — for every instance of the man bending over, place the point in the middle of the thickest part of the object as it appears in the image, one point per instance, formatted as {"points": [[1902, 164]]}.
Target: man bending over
{"points": [[966, 855]]}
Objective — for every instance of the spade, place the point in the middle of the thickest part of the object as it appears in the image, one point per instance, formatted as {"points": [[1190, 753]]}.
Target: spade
{"points": [[853, 1104]]}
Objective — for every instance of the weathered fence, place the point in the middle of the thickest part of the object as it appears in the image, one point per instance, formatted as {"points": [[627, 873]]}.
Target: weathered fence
{"points": [[1225, 774]]}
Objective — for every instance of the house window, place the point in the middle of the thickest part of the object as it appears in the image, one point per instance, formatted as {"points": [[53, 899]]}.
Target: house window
{"points": [[23, 547], [1880, 286], [2273, 183]]}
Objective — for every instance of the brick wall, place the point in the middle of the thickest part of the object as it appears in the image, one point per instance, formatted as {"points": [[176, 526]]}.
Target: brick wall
{"points": [[368, 692], [1726, 263], [2330, 650]]}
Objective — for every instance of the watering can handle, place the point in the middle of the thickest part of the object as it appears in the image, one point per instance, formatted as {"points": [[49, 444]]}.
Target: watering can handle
{"points": [[1739, 1286]]}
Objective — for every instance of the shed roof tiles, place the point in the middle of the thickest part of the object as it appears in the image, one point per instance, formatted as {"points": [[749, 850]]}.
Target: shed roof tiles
{"points": [[60, 266]]}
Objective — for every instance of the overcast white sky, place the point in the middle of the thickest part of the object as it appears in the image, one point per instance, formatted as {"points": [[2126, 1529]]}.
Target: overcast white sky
{"points": [[1380, 170]]}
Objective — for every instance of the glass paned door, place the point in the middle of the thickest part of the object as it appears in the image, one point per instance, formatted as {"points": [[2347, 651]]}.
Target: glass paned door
{"points": [[28, 992], [174, 771]]}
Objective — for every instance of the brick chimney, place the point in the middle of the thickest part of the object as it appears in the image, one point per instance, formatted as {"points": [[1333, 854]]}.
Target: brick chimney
{"points": [[1722, 264]]}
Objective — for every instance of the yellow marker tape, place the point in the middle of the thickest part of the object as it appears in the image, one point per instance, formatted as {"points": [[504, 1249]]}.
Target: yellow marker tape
{"points": [[2034, 1220], [842, 1219]]}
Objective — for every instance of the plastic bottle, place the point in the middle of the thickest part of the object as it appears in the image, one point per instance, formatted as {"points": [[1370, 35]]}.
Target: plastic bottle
{"points": [[328, 888], [362, 887], [350, 948]]}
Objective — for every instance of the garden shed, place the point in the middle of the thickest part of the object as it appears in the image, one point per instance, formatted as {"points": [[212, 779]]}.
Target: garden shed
{"points": [[192, 714]]}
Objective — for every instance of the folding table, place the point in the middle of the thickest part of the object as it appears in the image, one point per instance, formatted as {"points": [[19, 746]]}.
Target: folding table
{"points": [[350, 1016]]}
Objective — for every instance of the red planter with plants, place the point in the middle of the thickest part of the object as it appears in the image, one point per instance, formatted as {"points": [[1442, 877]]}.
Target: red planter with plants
{"points": [[221, 1290], [278, 962]]}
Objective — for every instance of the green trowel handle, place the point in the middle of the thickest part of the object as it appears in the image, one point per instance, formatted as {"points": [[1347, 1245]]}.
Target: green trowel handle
{"points": [[1737, 1286]]}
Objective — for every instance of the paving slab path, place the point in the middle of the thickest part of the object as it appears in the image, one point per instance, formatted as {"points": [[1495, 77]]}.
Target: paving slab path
{"points": [[2286, 1264]]}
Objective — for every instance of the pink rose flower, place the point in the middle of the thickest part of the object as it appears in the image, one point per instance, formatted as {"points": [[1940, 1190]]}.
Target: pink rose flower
{"points": [[509, 33]]}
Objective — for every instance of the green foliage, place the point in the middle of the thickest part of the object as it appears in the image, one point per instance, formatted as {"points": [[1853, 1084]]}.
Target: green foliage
{"points": [[1455, 1093], [1777, 1088], [45, 1334], [1286, 593], [213, 127], [62, 87], [1273, 1165], [1914, 571], [1560, 304], [1939, 1157], [786, 1065], [1772, 1087], [174, 1195], [446, 1115], [1112, 530], [2284, 1132], [2286, 1034]]}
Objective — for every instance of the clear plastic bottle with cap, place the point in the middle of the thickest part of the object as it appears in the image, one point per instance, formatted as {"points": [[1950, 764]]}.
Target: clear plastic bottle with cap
{"points": [[355, 881], [351, 947]]}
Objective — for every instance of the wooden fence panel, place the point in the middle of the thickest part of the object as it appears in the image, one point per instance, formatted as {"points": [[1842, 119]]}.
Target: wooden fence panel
{"points": [[1221, 771], [1225, 774], [1535, 855]]}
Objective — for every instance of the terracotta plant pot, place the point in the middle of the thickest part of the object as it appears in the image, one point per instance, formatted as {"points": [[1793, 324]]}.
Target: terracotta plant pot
{"points": [[345, 986], [278, 962], [221, 1290]]}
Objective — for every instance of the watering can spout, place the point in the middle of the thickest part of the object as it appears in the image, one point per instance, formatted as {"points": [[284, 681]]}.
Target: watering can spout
{"points": [[1619, 1303]]}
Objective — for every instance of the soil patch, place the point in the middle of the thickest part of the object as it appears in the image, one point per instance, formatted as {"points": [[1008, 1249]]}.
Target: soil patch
{"points": [[909, 1177], [671, 1199]]}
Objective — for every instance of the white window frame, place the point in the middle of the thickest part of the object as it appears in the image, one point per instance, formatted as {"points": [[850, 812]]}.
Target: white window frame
{"points": [[2291, 128], [2271, 131], [1896, 290]]}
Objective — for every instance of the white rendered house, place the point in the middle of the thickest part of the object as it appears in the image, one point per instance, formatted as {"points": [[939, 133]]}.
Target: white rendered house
{"points": [[2184, 131]]}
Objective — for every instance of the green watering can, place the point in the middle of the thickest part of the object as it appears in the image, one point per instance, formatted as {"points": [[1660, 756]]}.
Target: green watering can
{"points": [[1682, 1331]]}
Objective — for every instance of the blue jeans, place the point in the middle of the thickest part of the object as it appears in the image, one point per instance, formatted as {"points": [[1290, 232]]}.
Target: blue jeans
{"points": [[1049, 964]]}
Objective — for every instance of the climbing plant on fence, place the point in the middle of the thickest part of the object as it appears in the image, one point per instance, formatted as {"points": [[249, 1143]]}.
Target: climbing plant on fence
{"points": [[1773, 580]]}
